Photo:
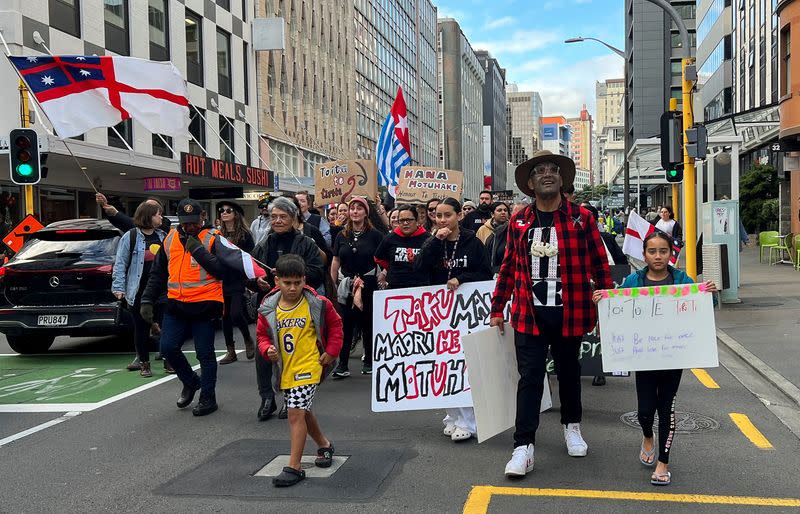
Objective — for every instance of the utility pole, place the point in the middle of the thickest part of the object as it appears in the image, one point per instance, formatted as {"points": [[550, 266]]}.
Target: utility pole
{"points": [[689, 190], [25, 119]]}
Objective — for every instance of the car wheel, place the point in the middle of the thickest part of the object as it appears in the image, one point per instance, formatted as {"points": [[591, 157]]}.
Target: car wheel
{"points": [[30, 344], [251, 306]]}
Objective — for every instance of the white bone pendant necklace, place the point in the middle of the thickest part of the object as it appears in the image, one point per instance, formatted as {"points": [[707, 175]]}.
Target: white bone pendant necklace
{"points": [[542, 248]]}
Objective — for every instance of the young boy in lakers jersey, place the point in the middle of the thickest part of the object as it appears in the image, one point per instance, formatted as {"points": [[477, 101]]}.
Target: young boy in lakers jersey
{"points": [[301, 333]]}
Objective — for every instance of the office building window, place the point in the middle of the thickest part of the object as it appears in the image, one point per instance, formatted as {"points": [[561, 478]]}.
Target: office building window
{"points": [[116, 26], [125, 130], [226, 137], [225, 4], [158, 17], [161, 149], [224, 86], [65, 15], [246, 72], [197, 128], [244, 10], [247, 137], [786, 61], [194, 48]]}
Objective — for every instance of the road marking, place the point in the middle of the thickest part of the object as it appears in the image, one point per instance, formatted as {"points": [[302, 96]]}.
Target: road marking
{"points": [[480, 496], [37, 428], [704, 378], [750, 431]]}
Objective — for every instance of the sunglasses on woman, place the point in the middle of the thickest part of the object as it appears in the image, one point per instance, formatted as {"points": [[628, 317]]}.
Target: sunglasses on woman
{"points": [[225, 210]]}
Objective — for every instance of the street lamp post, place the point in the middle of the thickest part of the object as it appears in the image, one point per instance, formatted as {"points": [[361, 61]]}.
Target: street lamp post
{"points": [[626, 172]]}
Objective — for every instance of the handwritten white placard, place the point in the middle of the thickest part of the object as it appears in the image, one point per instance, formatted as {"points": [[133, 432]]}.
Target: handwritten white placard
{"points": [[664, 327], [418, 360], [492, 361]]}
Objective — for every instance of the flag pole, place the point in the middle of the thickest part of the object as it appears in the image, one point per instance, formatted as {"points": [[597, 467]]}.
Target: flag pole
{"points": [[219, 133]]}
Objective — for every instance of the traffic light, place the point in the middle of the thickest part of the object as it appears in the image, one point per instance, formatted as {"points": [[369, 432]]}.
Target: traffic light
{"points": [[672, 145], [24, 157], [697, 141], [675, 173]]}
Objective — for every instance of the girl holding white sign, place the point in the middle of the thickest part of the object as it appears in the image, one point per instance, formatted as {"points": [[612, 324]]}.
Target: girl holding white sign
{"points": [[656, 390], [451, 257]]}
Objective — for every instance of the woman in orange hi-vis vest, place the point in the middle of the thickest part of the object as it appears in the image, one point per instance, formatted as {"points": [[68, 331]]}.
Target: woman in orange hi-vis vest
{"points": [[191, 268]]}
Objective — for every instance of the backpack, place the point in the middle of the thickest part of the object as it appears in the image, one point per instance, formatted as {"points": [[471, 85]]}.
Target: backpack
{"points": [[131, 245]]}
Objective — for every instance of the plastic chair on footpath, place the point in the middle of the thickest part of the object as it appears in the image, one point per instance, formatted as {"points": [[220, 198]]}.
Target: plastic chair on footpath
{"points": [[782, 246], [796, 252], [767, 240]]}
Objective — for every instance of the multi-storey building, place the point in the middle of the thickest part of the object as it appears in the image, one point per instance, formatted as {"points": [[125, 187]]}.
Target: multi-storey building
{"points": [[307, 92], [714, 53], [788, 12], [556, 135], [609, 99], [524, 115], [461, 80], [210, 45], [612, 152], [581, 144], [494, 120], [395, 45]]}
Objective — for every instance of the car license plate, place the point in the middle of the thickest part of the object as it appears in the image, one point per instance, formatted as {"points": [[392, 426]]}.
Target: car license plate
{"points": [[53, 320]]}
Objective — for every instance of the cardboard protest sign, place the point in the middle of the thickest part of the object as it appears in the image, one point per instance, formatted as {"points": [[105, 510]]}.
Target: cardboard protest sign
{"points": [[661, 327], [492, 362], [418, 360], [338, 181], [506, 196], [418, 184]]}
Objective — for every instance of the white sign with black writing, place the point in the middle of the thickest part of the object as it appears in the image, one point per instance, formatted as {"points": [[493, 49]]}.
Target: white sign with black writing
{"points": [[660, 327]]}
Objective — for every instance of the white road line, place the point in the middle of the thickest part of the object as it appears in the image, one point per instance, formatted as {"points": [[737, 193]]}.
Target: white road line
{"points": [[37, 428]]}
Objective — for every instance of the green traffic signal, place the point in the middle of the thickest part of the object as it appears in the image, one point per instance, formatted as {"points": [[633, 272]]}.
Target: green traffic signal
{"points": [[25, 170], [673, 173]]}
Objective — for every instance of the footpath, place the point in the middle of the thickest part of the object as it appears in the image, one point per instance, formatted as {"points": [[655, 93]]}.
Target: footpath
{"points": [[764, 329]]}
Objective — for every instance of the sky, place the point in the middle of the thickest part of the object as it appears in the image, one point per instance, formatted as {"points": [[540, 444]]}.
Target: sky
{"points": [[527, 38]]}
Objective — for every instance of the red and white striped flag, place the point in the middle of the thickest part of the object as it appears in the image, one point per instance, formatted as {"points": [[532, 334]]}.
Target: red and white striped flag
{"points": [[637, 230]]}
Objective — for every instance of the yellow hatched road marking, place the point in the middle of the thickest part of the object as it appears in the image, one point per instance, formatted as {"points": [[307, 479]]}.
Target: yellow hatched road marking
{"points": [[481, 495], [750, 431], [704, 378]]}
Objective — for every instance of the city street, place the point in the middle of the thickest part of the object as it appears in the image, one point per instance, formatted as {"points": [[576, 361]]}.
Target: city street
{"points": [[118, 446]]}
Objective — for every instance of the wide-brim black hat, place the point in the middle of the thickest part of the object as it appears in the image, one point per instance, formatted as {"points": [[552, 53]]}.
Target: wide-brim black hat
{"points": [[236, 207], [566, 168]]}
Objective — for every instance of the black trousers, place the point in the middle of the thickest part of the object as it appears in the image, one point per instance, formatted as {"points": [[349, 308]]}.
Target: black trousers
{"points": [[234, 316], [264, 377], [655, 391], [141, 328], [352, 318], [531, 362]]}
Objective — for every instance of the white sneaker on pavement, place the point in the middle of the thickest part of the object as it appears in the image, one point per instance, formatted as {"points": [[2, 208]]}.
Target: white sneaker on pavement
{"points": [[521, 462], [576, 446]]}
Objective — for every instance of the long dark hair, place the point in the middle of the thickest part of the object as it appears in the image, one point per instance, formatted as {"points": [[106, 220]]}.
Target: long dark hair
{"points": [[240, 229]]}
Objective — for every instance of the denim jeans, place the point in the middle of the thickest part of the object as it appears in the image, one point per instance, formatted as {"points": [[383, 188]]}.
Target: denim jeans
{"points": [[174, 331]]}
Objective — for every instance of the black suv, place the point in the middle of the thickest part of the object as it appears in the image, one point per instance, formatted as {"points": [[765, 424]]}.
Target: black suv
{"points": [[60, 284]]}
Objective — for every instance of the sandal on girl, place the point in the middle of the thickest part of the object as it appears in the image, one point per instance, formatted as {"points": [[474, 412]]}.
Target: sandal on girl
{"points": [[661, 479], [649, 456], [449, 429], [288, 477]]}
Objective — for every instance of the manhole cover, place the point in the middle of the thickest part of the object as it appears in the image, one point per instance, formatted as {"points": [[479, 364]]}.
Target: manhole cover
{"points": [[685, 422]]}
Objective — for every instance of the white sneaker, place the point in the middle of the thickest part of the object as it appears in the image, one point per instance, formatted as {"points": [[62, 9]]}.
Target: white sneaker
{"points": [[448, 429], [521, 462], [576, 446]]}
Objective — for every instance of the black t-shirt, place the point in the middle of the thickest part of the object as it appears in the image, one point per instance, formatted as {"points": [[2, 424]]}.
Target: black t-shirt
{"points": [[357, 253], [546, 274], [152, 245], [399, 252], [668, 281]]}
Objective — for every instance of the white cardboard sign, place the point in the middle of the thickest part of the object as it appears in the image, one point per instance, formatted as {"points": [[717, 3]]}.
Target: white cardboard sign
{"points": [[650, 328], [418, 360], [492, 362]]}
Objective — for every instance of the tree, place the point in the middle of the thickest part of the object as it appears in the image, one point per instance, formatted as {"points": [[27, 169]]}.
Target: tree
{"points": [[758, 187]]}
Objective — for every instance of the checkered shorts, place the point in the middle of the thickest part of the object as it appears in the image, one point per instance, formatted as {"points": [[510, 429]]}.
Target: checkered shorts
{"points": [[300, 397]]}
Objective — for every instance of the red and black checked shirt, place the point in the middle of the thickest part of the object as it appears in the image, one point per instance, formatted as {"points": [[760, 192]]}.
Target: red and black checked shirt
{"points": [[581, 256]]}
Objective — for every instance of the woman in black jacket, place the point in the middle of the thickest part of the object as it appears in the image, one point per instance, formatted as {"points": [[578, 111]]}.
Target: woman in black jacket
{"points": [[234, 228], [453, 256]]}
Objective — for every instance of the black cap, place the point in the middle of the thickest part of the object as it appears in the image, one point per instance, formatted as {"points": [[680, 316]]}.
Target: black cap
{"points": [[189, 211]]}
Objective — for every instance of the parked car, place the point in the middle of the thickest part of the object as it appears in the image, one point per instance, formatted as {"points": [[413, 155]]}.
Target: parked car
{"points": [[59, 284]]}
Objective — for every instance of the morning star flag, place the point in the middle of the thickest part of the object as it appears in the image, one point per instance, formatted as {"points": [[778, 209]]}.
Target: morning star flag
{"points": [[239, 260], [638, 229], [82, 92], [394, 148]]}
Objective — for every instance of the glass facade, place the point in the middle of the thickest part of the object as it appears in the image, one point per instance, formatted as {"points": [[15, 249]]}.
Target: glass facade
{"points": [[711, 17], [711, 64], [395, 46], [157, 16], [116, 26], [194, 48], [65, 15]]}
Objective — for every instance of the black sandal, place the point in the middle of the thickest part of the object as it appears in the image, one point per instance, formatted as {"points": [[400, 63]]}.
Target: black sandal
{"points": [[324, 457], [288, 477]]}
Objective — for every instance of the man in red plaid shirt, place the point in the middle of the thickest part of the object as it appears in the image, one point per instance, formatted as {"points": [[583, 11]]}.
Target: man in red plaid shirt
{"points": [[553, 251]]}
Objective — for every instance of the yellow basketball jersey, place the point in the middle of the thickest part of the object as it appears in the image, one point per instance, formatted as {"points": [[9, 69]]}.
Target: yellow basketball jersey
{"points": [[297, 338]]}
